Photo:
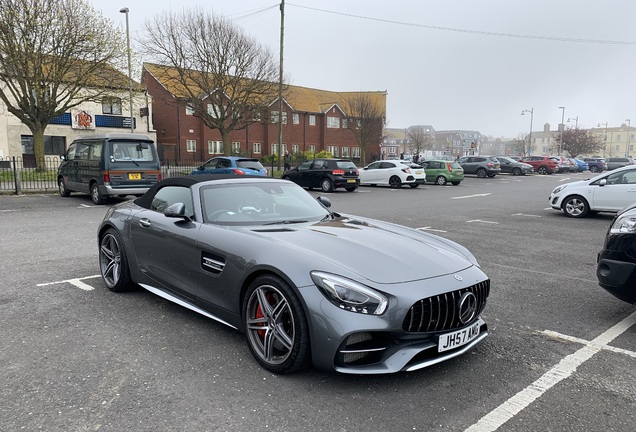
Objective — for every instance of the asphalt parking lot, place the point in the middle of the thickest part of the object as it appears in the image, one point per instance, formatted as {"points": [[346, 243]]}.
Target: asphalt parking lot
{"points": [[560, 355]]}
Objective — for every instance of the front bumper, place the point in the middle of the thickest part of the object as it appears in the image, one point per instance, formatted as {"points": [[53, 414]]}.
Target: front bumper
{"points": [[354, 343], [616, 267]]}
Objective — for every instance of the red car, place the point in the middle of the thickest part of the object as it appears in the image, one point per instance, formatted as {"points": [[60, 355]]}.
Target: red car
{"points": [[542, 164]]}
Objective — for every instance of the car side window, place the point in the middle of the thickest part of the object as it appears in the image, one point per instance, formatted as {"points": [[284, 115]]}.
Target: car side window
{"points": [[211, 164], [387, 165], [224, 163], [70, 153], [304, 166], [318, 164], [82, 150], [96, 151], [374, 165], [169, 195]]}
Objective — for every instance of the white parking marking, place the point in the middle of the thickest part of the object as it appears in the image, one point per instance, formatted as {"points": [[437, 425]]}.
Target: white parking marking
{"points": [[526, 215], [430, 229], [75, 282], [564, 369], [556, 335], [471, 196], [482, 221]]}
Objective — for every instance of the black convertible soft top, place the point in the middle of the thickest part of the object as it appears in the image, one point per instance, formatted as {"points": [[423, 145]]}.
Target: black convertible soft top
{"points": [[145, 200]]}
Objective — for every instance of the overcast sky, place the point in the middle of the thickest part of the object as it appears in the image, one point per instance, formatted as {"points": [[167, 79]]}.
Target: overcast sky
{"points": [[453, 64]]}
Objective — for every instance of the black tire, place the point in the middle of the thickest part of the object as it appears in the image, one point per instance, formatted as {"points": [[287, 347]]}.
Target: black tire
{"points": [[326, 185], [62, 187], [441, 180], [542, 170], [96, 197], [516, 171], [595, 169], [455, 183], [491, 175], [275, 325], [575, 206], [350, 189], [481, 173], [113, 262], [395, 182], [414, 185]]}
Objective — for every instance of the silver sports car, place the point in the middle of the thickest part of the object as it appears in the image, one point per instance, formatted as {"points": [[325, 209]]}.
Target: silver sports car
{"points": [[305, 284]]}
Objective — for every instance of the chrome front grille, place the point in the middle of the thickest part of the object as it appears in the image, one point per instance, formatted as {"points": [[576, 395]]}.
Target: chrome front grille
{"points": [[441, 312]]}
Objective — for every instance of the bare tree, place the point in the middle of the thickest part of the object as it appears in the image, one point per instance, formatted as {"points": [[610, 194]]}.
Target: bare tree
{"points": [[225, 76], [55, 55], [577, 141], [522, 144], [365, 119], [419, 139]]}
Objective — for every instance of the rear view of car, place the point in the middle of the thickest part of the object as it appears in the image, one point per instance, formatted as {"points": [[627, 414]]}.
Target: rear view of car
{"points": [[442, 172], [232, 165], [325, 173]]}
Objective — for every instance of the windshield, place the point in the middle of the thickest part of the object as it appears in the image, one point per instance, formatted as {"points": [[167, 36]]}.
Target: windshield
{"points": [[262, 203], [133, 151], [249, 163]]}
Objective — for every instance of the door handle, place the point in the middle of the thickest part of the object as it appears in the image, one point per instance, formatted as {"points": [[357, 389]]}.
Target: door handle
{"points": [[144, 222]]}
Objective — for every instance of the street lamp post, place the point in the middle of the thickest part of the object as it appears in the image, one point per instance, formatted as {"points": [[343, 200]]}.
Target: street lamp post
{"points": [[576, 124], [628, 137], [125, 10], [604, 137], [531, 111], [562, 126]]}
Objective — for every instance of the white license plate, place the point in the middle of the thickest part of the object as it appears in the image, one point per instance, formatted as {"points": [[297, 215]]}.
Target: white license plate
{"points": [[458, 338], [419, 172]]}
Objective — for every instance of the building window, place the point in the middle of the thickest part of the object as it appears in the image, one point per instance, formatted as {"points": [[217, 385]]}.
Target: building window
{"points": [[189, 109], [274, 117], [618, 147], [191, 146], [312, 149], [274, 149], [333, 150], [213, 110], [295, 148], [236, 147], [355, 152], [345, 123], [215, 147], [333, 122], [256, 148], [618, 137], [296, 118], [345, 152], [312, 120], [53, 145], [111, 105]]}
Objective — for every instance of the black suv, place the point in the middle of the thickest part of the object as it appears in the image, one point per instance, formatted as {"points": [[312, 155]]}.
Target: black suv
{"points": [[481, 165], [596, 165], [326, 174]]}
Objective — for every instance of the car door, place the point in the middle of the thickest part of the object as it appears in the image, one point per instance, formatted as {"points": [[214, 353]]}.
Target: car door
{"points": [[83, 172], [369, 174], [618, 192], [387, 169], [69, 168], [506, 165], [468, 164], [315, 173], [166, 247]]}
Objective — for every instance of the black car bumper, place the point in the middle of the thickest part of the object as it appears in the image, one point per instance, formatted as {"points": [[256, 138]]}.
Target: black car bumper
{"points": [[345, 183], [616, 267]]}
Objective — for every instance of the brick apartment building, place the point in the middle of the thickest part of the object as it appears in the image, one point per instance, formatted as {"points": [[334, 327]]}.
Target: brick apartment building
{"points": [[313, 120]]}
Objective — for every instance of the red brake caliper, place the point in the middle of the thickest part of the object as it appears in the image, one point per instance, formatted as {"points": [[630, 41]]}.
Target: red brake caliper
{"points": [[259, 314]]}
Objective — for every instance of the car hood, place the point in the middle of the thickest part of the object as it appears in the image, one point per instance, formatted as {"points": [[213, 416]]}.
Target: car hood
{"points": [[378, 251]]}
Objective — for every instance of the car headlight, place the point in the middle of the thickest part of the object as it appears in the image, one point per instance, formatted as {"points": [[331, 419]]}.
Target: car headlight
{"points": [[350, 295], [558, 189], [625, 223]]}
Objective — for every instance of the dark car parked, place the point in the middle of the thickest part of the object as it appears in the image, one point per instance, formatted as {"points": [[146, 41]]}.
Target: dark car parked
{"points": [[326, 174], [514, 167], [616, 268], [596, 165], [481, 165], [617, 162]]}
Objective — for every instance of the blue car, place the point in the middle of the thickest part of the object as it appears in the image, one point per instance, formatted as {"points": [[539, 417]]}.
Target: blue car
{"points": [[232, 165], [582, 165]]}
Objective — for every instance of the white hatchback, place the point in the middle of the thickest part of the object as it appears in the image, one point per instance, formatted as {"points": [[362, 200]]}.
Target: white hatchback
{"points": [[608, 192], [393, 173]]}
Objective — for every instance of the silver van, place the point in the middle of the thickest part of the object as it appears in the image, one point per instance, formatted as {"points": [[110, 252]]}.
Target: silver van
{"points": [[109, 165]]}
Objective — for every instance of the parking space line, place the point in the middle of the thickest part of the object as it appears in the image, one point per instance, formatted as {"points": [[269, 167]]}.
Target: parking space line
{"points": [[564, 369], [556, 335], [77, 282], [526, 215], [482, 221], [471, 196], [430, 229]]}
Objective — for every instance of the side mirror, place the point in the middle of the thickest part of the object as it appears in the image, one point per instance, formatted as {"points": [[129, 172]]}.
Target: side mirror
{"points": [[324, 201], [176, 210], [602, 182], [63, 157]]}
